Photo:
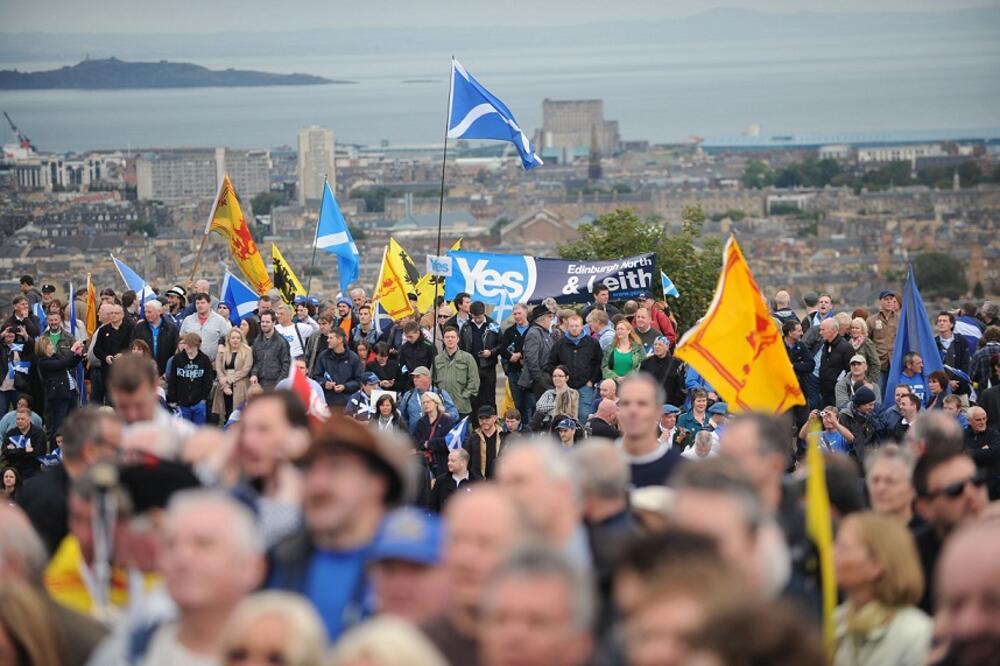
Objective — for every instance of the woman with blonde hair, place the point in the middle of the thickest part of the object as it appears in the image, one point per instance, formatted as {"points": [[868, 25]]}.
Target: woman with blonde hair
{"points": [[625, 354], [274, 628], [386, 641], [865, 346], [232, 371], [29, 634], [879, 573], [559, 401]]}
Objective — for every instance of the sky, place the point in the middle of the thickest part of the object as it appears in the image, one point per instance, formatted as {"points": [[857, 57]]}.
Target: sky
{"points": [[208, 16]]}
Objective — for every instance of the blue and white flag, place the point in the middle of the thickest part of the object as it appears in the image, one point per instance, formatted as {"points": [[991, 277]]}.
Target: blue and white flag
{"points": [[456, 436], [39, 311], [474, 113], [50, 459], [241, 299], [669, 289], [505, 307], [19, 441], [333, 236], [968, 328], [143, 292], [381, 320], [913, 335]]}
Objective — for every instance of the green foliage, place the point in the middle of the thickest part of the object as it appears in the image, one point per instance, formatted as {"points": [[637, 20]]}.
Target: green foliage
{"points": [[780, 208], [757, 175], [894, 174], [142, 227], [734, 214], [691, 260], [940, 274], [499, 224], [265, 202], [810, 172]]}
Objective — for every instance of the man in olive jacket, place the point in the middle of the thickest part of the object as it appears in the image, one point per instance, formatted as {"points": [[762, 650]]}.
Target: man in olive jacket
{"points": [[456, 371], [271, 355]]}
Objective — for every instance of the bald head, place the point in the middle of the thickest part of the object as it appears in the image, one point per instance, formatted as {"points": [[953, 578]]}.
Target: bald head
{"points": [[829, 329], [22, 555]]}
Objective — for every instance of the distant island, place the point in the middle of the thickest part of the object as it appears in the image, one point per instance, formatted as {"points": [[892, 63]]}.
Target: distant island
{"points": [[112, 73]]}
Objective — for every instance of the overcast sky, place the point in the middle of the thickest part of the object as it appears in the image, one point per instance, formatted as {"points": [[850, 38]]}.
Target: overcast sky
{"points": [[197, 16]]}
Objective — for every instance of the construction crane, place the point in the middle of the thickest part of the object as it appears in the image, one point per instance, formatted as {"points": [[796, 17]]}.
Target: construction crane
{"points": [[24, 141]]}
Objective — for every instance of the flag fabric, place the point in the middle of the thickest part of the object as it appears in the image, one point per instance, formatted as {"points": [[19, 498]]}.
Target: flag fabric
{"points": [[227, 219], [241, 299], [285, 279], [390, 290], [504, 308], [426, 286], [143, 292], [333, 236], [381, 320], [819, 528], [475, 113], [968, 328], [669, 289], [737, 347], [39, 311], [91, 321], [914, 334], [507, 403], [456, 436], [314, 402], [78, 372]]}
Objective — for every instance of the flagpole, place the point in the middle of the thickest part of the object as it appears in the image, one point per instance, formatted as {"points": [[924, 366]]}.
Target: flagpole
{"points": [[319, 218], [444, 163], [208, 228]]}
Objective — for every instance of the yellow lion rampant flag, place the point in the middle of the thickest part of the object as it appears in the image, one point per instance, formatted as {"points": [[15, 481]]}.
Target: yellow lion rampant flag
{"points": [[227, 219], [737, 347], [425, 288], [391, 290], [285, 280]]}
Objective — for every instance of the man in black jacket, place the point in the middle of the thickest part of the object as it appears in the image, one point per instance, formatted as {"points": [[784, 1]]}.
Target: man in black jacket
{"points": [[415, 351], [581, 354], [158, 332], [112, 339], [338, 370], [458, 478], [481, 338], [190, 379], [512, 353], [835, 359], [802, 363], [953, 348]]}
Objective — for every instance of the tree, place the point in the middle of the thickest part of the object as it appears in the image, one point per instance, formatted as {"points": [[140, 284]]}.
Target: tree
{"points": [[498, 226], [940, 275], [693, 269], [264, 202], [757, 175], [142, 227]]}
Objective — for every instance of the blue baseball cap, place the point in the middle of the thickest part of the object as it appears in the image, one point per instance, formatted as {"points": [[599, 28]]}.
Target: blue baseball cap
{"points": [[671, 409], [566, 424], [298, 300], [371, 378], [410, 535], [719, 408]]}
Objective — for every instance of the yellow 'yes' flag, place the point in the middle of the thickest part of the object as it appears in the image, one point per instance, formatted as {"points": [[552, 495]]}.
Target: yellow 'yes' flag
{"points": [[285, 280], [737, 347], [227, 219], [391, 290], [425, 288]]}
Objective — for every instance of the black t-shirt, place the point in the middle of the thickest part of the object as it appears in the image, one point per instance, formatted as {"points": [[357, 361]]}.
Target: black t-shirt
{"points": [[655, 472]]}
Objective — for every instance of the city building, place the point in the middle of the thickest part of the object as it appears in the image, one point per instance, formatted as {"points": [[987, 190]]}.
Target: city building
{"points": [[568, 126], [190, 174], [33, 171], [316, 155]]}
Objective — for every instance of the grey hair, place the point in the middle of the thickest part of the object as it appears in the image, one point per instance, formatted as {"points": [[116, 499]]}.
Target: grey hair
{"points": [[357, 290], [602, 469], [648, 380], [155, 304], [20, 544], [83, 425], [891, 452], [462, 454], [519, 306], [704, 435], [553, 459], [283, 307], [307, 642], [241, 522], [724, 477], [535, 561]]}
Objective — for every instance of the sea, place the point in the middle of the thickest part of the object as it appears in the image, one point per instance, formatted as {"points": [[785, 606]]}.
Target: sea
{"points": [[661, 92]]}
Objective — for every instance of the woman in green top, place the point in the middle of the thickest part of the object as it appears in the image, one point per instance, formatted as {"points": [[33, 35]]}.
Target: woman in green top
{"points": [[625, 355]]}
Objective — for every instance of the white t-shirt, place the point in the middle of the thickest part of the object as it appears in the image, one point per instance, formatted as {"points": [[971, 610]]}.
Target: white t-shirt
{"points": [[166, 650], [288, 333]]}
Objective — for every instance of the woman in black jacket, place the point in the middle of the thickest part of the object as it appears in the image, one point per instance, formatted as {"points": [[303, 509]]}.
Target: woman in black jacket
{"points": [[429, 433], [62, 394]]}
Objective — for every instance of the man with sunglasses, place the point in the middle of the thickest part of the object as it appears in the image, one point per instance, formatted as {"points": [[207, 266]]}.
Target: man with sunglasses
{"points": [[950, 492]]}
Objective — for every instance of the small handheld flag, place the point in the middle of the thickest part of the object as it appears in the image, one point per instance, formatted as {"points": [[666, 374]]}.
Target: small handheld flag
{"points": [[143, 292], [381, 320], [334, 237], [668, 286], [456, 435], [475, 113], [241, 299]]}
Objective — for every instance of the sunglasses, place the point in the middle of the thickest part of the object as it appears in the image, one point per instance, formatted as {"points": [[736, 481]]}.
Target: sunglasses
{"points": [[238, 655], [955, 490]]}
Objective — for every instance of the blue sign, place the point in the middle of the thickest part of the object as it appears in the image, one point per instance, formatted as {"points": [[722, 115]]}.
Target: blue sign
{"points": [[514, 278]]}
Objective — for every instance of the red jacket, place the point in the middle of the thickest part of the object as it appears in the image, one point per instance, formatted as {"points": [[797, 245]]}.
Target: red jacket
{"points": [[662, 323]]}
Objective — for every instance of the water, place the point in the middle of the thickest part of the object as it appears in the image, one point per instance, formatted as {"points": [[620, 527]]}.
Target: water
{"points": [[660, 92]]}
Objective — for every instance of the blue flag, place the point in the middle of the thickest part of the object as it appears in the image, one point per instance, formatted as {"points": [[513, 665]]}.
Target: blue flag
{"points": [[456, 436], [333, 236], [914, 335], [143, 292], [241, 299], [39, 311], [669, 289], [474, 113], [381, 320]]}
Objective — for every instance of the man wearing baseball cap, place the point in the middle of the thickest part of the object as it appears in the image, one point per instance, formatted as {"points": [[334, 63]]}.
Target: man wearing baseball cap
{"points": [[404, 566], [353, 476], [882, 326], [359, 407]]}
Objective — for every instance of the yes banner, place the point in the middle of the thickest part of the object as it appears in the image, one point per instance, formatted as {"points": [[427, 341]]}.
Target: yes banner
{"points": [[487, 277]]}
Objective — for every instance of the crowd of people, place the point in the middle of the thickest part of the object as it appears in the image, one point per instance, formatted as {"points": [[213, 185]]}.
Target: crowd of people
{"points": [[553, 488]]}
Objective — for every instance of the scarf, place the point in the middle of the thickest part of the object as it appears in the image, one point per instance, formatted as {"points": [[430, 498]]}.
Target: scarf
{"points": [[575, 340], [857, 342]]}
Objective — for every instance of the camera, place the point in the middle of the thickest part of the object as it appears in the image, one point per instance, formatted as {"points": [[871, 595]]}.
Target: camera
{"points": [[823, 414]]}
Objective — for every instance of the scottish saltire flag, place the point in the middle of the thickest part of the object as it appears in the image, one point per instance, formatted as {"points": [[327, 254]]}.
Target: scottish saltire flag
{"points": [[39, 311], [24, 367], [19, 441], [143, 292], [914, 334], [241, 299], [50, 459], [501, 311], [966, 327], [456, 436], [668, 286], [333, 236], [380, 318], [78, 373], [474, 113]]}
